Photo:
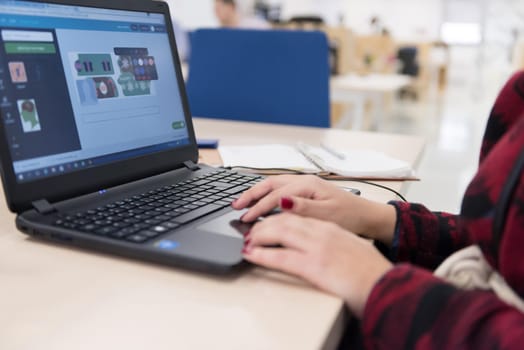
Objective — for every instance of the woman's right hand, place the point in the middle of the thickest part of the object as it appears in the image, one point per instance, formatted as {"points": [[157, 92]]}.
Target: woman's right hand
{"points": [[310, 196], [321, 253]]}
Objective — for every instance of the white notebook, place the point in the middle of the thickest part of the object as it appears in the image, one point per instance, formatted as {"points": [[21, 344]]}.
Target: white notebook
{"points": [[362, 164]]}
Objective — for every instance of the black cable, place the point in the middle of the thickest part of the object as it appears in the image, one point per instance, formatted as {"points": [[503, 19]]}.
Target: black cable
{"points": [[384, 188]]}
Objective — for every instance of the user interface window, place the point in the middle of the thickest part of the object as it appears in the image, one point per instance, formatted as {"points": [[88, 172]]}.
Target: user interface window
{"points": [[83, 86]]}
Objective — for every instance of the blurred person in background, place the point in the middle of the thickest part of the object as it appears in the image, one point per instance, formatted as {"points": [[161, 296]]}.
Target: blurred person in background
{"points": [[238, 14]]}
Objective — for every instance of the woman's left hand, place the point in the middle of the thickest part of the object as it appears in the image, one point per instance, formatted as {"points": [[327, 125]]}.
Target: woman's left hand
{"points": [[319, 252]]}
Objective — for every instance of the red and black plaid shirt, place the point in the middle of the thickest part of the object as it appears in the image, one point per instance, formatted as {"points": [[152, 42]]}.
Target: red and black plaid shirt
{"points": [[409, 308]]}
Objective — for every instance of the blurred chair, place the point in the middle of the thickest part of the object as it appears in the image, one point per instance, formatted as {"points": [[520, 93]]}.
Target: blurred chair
{"points": [[307, 22], [261, 76], [408, 58]]}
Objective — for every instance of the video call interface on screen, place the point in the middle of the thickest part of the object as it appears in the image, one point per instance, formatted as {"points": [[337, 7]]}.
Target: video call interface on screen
{"points": [[81, 87]]}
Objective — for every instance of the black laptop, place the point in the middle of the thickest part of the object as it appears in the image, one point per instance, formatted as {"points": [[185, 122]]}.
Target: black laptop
{"points": [[97, 144]]}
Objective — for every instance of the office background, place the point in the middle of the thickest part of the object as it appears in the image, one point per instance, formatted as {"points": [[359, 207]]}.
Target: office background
{"points": [[483, 44]]}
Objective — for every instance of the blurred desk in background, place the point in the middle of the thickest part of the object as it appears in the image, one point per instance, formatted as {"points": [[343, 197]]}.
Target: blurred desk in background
{"points": [[356, 90]]}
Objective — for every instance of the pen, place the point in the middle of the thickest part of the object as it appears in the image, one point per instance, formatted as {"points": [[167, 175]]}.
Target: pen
{"points": [[333, 152]]}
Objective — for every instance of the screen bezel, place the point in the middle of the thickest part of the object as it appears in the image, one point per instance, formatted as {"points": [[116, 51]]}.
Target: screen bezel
{"points": [[19, 196]]}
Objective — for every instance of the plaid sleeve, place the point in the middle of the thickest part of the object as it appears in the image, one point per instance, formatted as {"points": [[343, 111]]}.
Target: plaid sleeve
{"points": [[425, 238], [411, 309]]}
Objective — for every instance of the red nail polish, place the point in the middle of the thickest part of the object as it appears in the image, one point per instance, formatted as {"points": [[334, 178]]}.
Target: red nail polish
{"points": [[247, 234], [247, 250], [286, 203], [246, 243]]}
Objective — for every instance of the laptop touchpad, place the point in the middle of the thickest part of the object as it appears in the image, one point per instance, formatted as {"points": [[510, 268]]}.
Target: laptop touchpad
{"points": [[227, 225]]}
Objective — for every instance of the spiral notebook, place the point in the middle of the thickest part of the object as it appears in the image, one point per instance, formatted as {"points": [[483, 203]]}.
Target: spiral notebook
{"points": [[319, 160]]}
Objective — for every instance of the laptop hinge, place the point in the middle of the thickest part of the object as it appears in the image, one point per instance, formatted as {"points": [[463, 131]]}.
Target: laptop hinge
{"points": [[191, 166], [43, 206]]}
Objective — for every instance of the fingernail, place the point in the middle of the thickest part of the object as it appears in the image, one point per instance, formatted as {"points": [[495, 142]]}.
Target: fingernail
{"points": [[247, 241], [286, 203], [247, 234], [247, 250]]}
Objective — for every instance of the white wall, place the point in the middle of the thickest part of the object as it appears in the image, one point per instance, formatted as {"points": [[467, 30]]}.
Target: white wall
{"points": [[407, 19], [503, 17], [192, 14]]}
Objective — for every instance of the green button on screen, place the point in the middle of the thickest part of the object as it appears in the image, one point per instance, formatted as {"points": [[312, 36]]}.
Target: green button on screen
{"points": [[30, 48], [178, 125]]}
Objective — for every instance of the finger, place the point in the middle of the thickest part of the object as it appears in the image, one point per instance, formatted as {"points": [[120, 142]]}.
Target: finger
{"points": [[285, 260], [253, 194], [261, 189], [306, 207], [284, 230], [264, 206], [273, 198]]}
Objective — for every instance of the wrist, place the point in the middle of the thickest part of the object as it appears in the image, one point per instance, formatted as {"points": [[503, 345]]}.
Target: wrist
{"points": [[376, 221], [358, 300]]}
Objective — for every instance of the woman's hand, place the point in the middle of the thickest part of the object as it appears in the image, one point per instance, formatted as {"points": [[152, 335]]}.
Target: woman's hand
{"points": [[319, 252], [310, 196]]}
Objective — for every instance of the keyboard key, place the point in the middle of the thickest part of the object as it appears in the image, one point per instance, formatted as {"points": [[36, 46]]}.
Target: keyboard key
{"points": [[159, 229], [193, 215], [236, 190], [149, 234], [121, 224], [89, 227], [124, 232], [137, 238], [104, 231], [170, 225], [221, 185], [153, 221]]}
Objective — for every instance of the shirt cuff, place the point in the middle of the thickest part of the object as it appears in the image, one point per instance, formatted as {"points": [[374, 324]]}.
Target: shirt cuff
{"points": [[391, 252]]}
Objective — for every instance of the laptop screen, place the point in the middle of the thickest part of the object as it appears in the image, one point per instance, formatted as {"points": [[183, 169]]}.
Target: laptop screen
{"points": [[82, 87]]}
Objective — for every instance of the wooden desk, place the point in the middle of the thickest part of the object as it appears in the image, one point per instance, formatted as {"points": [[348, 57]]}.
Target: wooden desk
{"points": [[56, 297], [357, 90]]}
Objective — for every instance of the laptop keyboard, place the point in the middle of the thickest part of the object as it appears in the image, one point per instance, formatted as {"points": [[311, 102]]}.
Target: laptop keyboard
{"points": [[146, 216]]}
